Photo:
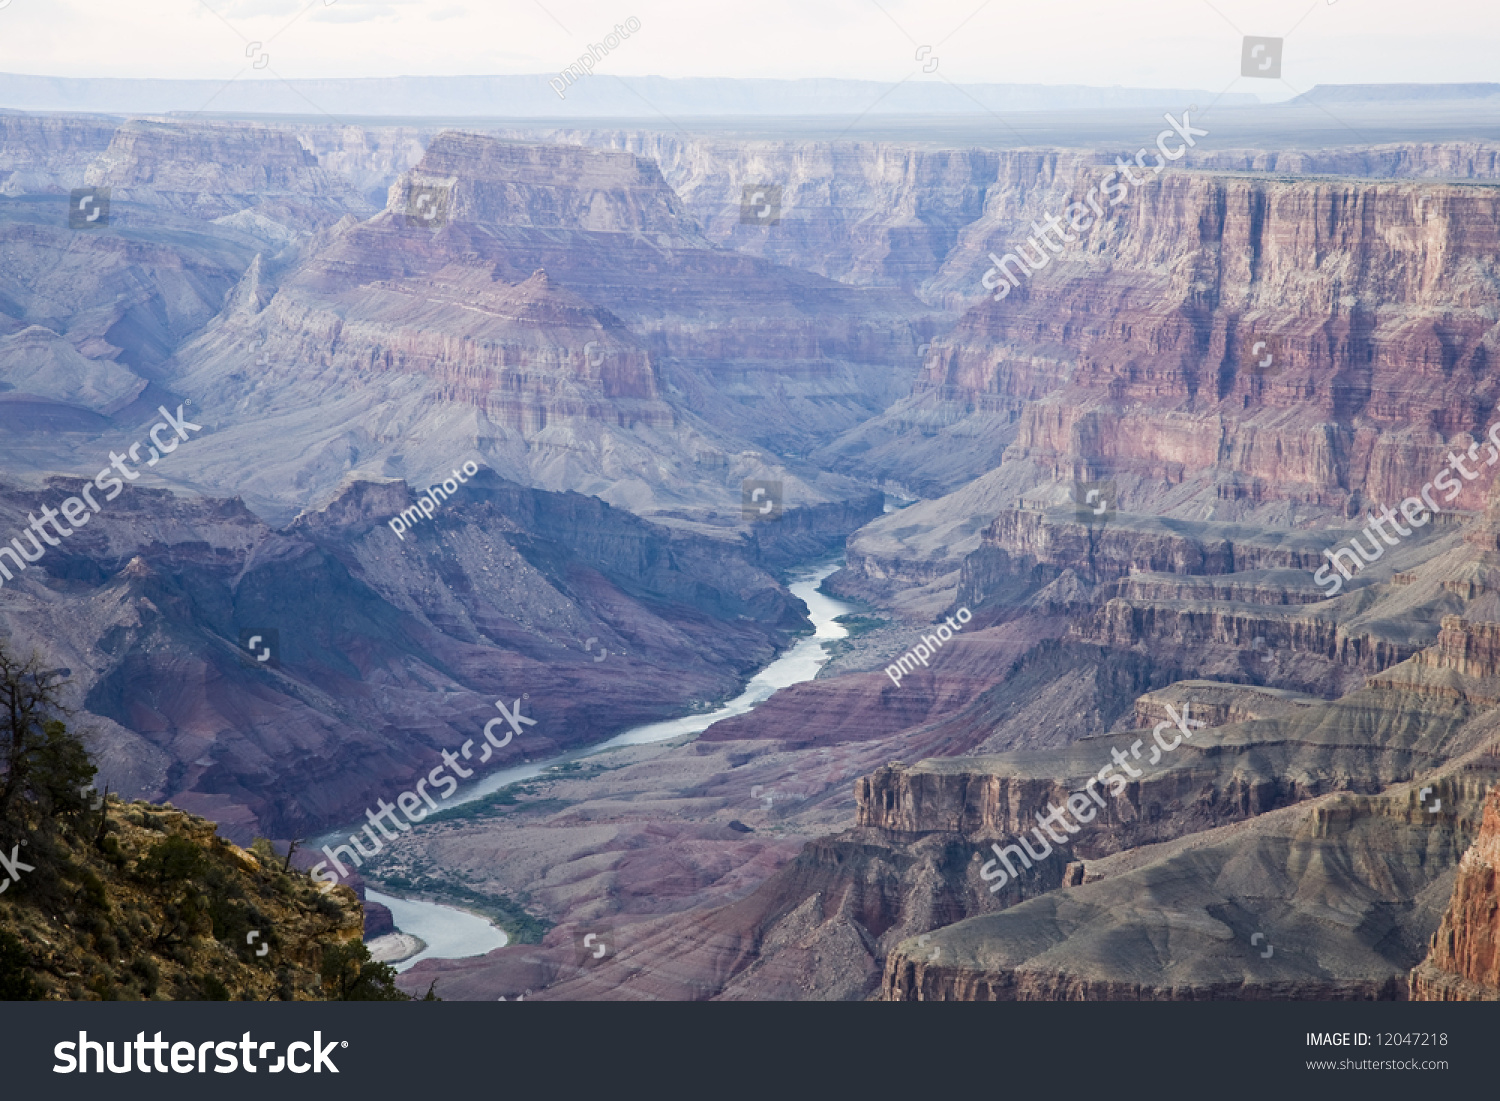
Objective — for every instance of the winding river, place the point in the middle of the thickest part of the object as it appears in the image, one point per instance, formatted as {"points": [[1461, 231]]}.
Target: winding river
{"points": [[451, 933]]}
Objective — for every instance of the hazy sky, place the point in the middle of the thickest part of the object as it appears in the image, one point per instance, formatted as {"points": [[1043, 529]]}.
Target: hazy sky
{"points": [[1160, 43]]}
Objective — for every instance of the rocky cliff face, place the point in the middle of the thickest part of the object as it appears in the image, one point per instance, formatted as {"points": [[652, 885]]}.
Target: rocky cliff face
{"points": [[588, 333], [1092, 939], [1464, 963], [1368, 367], [1469, 648], [105, 928], [370, 157], [1447, 160], [49, 154], [1254, 789], [528, 354], [1130, 349], [865, 213]]}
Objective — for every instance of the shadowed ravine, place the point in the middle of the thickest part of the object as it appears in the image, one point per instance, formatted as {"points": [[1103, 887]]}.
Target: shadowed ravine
{"points": [[452, 933]]}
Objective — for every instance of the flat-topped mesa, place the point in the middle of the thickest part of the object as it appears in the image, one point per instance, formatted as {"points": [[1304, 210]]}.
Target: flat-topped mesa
{"points": [[213, 169], [566, 187], [1216, 703], [916, 800], [1464, 962]]}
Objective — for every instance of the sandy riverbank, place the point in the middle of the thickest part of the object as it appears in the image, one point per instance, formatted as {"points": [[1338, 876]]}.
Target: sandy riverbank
{"points": [[395, 947]]}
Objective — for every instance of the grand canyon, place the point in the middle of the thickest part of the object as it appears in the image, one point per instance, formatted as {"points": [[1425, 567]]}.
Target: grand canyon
{"points": [[1091, 522]]}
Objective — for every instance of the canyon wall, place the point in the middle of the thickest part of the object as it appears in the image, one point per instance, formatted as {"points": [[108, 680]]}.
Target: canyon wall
{"points": [[1464, 963]]}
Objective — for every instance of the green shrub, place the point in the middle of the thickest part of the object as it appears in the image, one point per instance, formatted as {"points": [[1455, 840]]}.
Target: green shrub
{"points": [[148, 972], [350, 975], [174, 860], [94, 894], [17, 984]]}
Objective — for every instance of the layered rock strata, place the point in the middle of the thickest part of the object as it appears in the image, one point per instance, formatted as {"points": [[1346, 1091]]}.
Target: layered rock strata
{"points": [[1464, 962]]}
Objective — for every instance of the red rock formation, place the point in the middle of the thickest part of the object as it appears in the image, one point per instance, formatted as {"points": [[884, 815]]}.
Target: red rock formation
{"points": [[1469, 648], [1137, 336], [631, 366], [1464, 964]]}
